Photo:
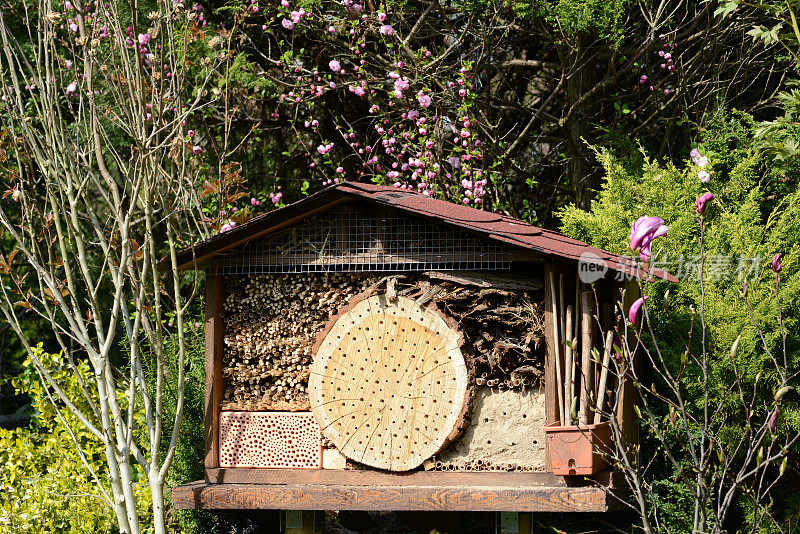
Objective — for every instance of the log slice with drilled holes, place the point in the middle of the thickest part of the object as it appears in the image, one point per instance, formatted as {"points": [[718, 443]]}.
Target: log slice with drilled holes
{"points": [[389, 385]]}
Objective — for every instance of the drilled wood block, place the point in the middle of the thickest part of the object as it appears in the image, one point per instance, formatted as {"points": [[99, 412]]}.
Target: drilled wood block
{"points": [[389, 385], [270, 439]]}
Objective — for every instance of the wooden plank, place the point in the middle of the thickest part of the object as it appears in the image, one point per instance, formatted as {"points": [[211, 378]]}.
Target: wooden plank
{"points": [[368, 477], [201, 495], [215, 385]]}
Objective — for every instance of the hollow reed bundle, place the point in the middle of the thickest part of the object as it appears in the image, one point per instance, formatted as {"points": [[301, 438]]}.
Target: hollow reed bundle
{"points": [[271, 323]]}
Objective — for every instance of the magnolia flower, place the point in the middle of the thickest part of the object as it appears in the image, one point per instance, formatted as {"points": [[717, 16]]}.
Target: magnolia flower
{"points": [[288, 24], [702, 200], [775, 265], [633, 311], [386, 30], [144, 38], [334, 65], [644, 231], [704, 176]]}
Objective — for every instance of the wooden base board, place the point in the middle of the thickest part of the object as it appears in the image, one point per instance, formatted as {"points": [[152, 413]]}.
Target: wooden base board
{"points": [[369, 490]]}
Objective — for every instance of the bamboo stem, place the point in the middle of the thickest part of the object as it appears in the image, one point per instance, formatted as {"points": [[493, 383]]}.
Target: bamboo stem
{"points": [[586, 357], [601, 387], [557, 343], [562, 342], [569, 368]]}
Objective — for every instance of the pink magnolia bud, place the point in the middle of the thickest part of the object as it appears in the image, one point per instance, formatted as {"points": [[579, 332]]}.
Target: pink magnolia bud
{"points": [[702, 200], [773, 422], [776, 262], [633, 312]]}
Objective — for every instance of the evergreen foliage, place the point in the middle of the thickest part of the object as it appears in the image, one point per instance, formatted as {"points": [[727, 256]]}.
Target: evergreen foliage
{"points": [[748, 219]]}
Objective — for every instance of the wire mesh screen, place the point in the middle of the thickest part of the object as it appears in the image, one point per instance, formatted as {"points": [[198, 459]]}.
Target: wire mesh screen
{"points": [[349, 239]]}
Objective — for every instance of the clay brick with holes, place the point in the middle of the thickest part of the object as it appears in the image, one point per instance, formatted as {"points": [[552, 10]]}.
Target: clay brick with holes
{"points": [[269, 439]]}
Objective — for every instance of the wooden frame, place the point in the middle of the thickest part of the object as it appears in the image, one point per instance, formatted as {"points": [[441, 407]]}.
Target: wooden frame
{"points": [[215, 385], [247, 488]]}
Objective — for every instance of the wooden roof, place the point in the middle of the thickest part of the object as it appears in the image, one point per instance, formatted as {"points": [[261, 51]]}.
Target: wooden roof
{"points": [[497, 227]]}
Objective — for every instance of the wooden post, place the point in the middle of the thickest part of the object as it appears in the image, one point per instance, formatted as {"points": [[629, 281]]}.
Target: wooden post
{"points": [[215, 386], [587, 381], [557, 313], [569, 370], [552, 410]]}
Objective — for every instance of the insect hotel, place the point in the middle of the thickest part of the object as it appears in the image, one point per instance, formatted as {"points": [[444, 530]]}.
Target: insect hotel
{"points": [[370, 348]]}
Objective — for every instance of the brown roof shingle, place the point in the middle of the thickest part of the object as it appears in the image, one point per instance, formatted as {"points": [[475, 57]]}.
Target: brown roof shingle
{"points": [[498, 227]]}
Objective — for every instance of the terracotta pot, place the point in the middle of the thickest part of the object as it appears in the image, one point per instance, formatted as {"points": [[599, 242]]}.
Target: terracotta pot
{"points": [[578, 450]]}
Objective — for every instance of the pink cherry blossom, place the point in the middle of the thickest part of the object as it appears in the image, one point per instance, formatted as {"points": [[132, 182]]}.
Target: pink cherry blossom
{"points": [[424, 99], [386, 30], [381, 17], [197, 150], [704, 176], [335, 66], [144, 38], [288, 24]]}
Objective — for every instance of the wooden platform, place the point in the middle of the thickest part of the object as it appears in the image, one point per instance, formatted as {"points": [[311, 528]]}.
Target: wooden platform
{"points": [[298, 489]]}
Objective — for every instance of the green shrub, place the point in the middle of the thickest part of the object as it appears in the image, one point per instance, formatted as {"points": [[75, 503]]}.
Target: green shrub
{"points": [[44, 485], [752, 217]]}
